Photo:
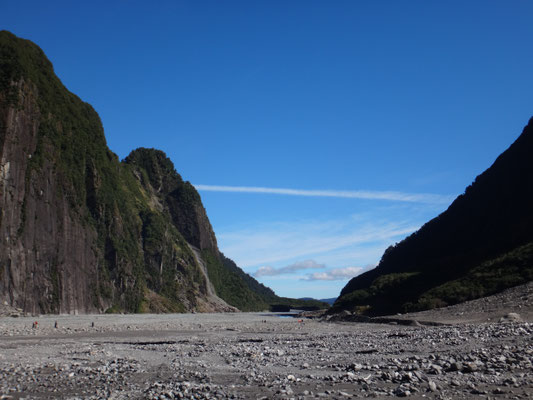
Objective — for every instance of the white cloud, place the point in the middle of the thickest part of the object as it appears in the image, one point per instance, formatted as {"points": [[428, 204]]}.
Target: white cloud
{"points": [[298, 266], [355, 233], [350, 194], [285, 242], [335, 274]]}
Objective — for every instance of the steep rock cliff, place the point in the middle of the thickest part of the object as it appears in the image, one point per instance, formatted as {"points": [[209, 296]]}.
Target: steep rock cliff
{"points": [[40, 234], [79, 233], [177, 198]]}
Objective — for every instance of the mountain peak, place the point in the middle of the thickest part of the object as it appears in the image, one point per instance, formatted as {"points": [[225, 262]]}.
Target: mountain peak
{"points": [[159, 168]]}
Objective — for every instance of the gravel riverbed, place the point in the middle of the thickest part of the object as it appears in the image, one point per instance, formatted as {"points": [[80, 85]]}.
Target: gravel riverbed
{"points": [[262, 356]]}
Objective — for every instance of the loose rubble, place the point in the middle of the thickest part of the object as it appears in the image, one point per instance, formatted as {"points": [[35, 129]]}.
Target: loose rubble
{"points": [[262, 356]]}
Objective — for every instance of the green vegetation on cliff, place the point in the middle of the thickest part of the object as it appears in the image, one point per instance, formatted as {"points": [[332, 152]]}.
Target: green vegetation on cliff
{"points": [[230, 286], [493, 276]]}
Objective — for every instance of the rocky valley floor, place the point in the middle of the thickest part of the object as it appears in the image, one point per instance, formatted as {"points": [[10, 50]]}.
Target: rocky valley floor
{"points": [[251, 356]]}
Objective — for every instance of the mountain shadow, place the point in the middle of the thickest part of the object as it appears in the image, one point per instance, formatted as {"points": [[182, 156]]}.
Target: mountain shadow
{"points": [[482, 244]]}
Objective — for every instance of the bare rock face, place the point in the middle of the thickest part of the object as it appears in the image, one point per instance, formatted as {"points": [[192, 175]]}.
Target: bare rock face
{"points": [[47, 257], [80, 231]]}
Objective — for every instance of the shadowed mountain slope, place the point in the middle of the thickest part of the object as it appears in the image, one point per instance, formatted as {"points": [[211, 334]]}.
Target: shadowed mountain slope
{"points": [[482, 244]]}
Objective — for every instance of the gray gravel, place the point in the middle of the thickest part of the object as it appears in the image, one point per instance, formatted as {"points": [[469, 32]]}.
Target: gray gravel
{"points": [[251, 356]]}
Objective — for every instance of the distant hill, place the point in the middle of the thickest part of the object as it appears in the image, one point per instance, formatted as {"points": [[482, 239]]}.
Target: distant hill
{"points": [[482, 244], [328, 301], [81, 231]]}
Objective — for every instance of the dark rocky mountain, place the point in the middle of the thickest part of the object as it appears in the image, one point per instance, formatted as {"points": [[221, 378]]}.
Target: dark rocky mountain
{"points": [[482, 244], [81, 231]]}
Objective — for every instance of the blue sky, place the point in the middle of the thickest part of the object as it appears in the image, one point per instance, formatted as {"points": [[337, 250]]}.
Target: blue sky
{"points": [[317, 132]]}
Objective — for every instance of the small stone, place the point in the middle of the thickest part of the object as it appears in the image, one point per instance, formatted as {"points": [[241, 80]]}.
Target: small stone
{"points": [[511, 317], [402, 391], [420, 376], [456, 366], [470, 367], [435, 369]]}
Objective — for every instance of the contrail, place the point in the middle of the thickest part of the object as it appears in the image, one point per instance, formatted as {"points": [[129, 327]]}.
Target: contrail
{"points": [[347, 194]]}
